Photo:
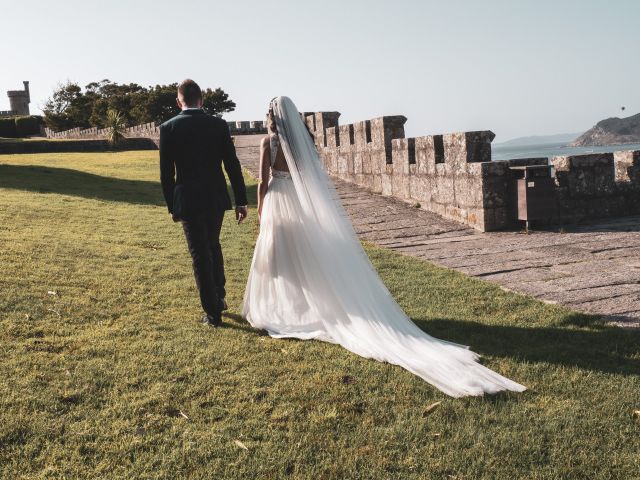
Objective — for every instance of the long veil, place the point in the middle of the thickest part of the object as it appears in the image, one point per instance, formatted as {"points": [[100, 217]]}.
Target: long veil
{"points": [[356, 309]]}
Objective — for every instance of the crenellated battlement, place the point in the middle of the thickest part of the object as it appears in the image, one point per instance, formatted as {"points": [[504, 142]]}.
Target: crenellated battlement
{"points": [[598, 185], [452, 174], [150, 130], [95, 133], [253, 127]]}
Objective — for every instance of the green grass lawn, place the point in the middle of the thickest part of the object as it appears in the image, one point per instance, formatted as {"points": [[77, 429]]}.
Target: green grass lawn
{"points": [[105, 371]]}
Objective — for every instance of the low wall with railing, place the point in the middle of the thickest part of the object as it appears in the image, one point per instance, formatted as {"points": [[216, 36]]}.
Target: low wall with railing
{"points": [[150, 130]]}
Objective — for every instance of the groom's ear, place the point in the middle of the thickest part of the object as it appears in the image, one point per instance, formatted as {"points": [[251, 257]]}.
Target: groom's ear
{"points": [[179, 103]]}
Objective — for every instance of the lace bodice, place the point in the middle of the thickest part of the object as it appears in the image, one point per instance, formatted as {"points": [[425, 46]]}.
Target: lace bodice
{"points": [[274, 144]]}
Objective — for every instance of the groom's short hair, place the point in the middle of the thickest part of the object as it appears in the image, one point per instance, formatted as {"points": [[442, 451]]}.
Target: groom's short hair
{"points": [[189, 91]]}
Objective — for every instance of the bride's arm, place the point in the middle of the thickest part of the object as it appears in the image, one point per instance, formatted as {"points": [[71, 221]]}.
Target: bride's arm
{"points": [[263, 178]]}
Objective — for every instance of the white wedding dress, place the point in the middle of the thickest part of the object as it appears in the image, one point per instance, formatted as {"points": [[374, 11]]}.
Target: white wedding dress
{"points": [[311, 279]]}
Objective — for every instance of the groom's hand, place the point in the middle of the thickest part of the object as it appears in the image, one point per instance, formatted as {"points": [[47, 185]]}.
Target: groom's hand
{"points": [[241, 214]]}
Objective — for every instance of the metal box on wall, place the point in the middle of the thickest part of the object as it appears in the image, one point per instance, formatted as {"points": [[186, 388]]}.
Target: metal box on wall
{"points": [[534, 193]]}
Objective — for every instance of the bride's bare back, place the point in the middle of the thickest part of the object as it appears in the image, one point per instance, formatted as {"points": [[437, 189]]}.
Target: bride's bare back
{"points": [[279, 163], [271, 158]]}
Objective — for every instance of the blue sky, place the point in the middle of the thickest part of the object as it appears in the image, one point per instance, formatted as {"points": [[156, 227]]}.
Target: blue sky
{"points": [[515, 67]]}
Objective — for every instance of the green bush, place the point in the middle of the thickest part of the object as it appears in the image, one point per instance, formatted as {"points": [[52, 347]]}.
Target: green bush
{"points": [[17, 127], [26, 126], [8, 127]]}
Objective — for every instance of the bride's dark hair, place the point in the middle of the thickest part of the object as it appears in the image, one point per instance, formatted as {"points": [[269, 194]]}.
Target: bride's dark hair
{"points": [[271, 121]]}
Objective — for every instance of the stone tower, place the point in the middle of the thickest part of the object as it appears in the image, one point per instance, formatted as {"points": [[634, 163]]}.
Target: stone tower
{"points": [[19, 100]]}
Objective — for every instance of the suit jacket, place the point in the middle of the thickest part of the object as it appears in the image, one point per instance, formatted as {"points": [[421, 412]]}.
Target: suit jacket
{"points": [[193, 147]]}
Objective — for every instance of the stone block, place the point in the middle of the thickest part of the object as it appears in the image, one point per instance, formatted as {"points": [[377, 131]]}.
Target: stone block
{"points": [[461, 148], [368, 181], [387, 187], [469, 191], [586, 175], [343, 162], [365, 155], [401, 149], [385, 129], [349, 156], [400, 186], [419, 189], [346, 135], [425, 155], [376, 185], [378, 160], [310, 121], [324, 121], [332, 137], [478, 145], [455, 150], [362, 134], [357, 162], [627, 166], [491, 219], [444, 190]]}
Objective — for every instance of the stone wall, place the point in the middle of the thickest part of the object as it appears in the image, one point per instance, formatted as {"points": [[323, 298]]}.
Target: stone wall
{"points": [[597, 185], [450, 174], [150, 130], [145, 130], [253, 127], [453, 175], [84, 145]]}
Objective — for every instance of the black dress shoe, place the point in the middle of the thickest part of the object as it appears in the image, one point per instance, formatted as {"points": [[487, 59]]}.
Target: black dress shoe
{"points": [[212, 321]]}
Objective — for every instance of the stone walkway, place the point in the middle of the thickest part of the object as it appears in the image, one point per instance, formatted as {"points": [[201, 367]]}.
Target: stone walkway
{"points": [[594, 268]]}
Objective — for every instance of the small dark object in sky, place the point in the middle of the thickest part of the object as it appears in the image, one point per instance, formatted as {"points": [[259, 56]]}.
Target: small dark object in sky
{"points": [[623, 108]]}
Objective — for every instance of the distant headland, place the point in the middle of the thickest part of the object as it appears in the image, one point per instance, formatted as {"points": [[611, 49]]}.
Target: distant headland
{"points": [[612, 131], [539, 140]]}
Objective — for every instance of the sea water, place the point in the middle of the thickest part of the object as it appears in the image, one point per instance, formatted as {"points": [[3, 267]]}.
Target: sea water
{"points": [[507, 152]]}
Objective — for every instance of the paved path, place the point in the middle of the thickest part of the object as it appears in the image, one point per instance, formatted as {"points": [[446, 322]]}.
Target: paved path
{"points": [[594, 269]]}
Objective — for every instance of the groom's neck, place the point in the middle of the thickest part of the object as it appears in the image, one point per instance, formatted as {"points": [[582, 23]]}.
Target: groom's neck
{"points": [[195, 106]]}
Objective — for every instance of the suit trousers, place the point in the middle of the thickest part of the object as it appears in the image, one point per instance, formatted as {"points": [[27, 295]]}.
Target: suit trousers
{"points": [[202, 232]]}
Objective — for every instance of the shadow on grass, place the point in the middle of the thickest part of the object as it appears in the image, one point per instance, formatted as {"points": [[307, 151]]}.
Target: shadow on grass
{"points": [[608, 350], [80, 184], [240, 324], [88, 185]]}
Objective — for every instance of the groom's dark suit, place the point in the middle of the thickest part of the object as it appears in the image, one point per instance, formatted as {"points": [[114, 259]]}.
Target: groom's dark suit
{"points": [[193, 148]]}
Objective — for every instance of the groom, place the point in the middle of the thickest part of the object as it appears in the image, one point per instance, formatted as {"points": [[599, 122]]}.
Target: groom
{"points": [[193, 147]]}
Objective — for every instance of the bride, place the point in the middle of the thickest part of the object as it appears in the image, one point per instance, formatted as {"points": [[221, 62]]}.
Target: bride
{"points": [[311, 279]]}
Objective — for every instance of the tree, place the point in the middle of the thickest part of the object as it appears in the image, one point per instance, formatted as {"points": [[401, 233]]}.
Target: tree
{"points": [[71, 107], [159, 104], [116, 125], [107, 95], [216, 102], [67, 108]]}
